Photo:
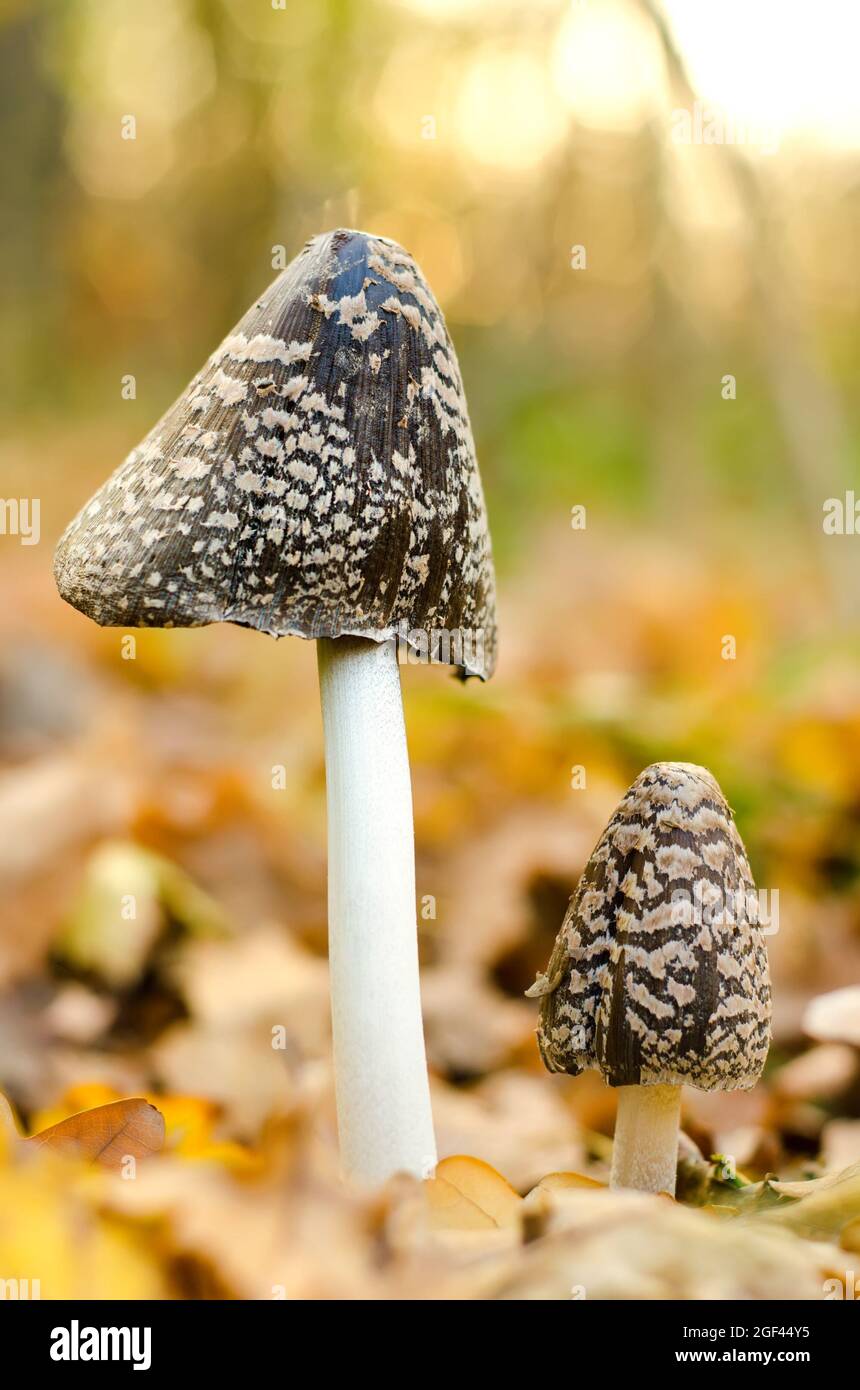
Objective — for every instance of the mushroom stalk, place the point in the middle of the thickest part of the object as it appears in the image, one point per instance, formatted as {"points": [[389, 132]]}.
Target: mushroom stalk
{"points": [[385, 1123], [645, 1151]]}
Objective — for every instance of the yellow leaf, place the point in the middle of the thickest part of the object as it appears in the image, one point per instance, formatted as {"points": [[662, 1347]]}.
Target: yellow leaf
{"points": [[8, 1122], [563, 1182], [189, 1121], [849, 1237], [467, 1195], [86, 1095], [52, 1237]]}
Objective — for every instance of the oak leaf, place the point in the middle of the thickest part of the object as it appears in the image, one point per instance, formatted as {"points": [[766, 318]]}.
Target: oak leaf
{"points": [[107, 1135]]}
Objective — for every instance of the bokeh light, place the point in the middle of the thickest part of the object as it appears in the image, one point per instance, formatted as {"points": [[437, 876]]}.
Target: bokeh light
{"points": [[607, 66], [507, 115]]}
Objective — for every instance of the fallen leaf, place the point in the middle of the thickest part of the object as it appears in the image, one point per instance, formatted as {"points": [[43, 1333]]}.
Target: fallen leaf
{"points": [[265, 975], [627, 1245], [126, 898], [849, 1237], [471, 1026], [821, 1206], [819, 1074], [467, 1194], [8, 1123], [50, 811], [517, 1122], [538, 1204], [107, 1135], [236, 1068], [834, 1017], [55, 1238], [840, 1145], [563, 1182], [294, 1235]]}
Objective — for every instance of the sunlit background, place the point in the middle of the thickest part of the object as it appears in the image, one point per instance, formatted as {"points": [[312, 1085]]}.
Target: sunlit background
{"points": [[622, 206]]}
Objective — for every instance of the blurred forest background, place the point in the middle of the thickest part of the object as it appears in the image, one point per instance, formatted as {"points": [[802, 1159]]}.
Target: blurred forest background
{"points": [[602, 277]]}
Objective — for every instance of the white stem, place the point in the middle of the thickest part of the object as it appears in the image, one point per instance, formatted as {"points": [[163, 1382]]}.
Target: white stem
{"points": [[384, 1118], [645, 1152]]}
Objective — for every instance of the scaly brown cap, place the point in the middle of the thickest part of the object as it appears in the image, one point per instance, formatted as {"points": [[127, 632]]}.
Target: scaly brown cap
{"points": [[318, 477], [659, 975]]}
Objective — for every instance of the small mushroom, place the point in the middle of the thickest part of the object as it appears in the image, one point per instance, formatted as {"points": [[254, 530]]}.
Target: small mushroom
{"points": [[659, 974], [318, 478]]}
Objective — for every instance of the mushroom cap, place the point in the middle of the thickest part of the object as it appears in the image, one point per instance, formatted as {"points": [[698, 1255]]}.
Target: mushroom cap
{"points": [[659, 974], [316, 478]]}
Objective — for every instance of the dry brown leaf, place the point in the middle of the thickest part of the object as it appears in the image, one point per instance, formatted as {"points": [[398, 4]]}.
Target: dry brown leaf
{"points": [[824, 1205], [236, 1068], [107, 1135], [518, 1123], [492, 873], [834, 1017], [468, 1195], [626, 1245], [539, 1203], [849, 1237], [819, 1074], [263, 976], [50, 811], [563, 1182], [840, 1145], [303, 1232], [471, 1027]]}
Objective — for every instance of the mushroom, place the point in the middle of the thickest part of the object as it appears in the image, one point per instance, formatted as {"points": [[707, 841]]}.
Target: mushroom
{"points": [[659, 974], [318, 478]]}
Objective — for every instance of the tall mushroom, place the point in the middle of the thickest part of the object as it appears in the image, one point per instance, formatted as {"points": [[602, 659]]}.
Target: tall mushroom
{"points": [[318, 478], [659, 974]]}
